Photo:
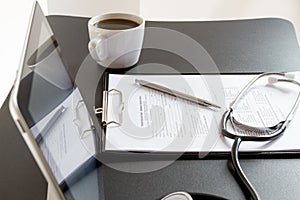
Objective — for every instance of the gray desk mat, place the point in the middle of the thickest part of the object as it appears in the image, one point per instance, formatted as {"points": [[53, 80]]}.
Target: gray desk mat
{"points": [[240, 46]]}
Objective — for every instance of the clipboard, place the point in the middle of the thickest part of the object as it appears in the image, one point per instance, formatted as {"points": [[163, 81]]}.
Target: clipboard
{"points": [[165, 154], [101, 112]]}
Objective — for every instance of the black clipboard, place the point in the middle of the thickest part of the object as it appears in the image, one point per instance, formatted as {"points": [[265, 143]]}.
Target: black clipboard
{"points": [[115, 156]]}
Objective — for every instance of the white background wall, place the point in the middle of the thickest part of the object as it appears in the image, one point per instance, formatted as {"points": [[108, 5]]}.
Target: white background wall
{"points": [[92, 7], [14, 16]]}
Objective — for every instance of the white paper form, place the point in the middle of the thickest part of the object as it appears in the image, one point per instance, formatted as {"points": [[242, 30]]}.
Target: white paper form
{"points": [[62, 145], [154, 121]]}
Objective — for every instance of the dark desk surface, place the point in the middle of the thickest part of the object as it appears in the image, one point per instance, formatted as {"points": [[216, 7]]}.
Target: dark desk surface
{"points": [[273, 178], [235, 47], [20, 177]]}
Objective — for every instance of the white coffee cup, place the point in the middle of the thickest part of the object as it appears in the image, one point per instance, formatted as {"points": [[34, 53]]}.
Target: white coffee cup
{"points": [[111, 45]]}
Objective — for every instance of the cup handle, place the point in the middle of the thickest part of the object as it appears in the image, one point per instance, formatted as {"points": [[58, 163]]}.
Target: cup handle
{"points": [[98, 48]]}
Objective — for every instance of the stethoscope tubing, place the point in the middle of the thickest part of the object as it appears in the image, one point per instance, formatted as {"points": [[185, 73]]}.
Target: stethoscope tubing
{"points": [[239, 170]]}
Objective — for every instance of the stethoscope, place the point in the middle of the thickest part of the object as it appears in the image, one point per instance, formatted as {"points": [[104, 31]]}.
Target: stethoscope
{"points": [[251, 133], [255, 133]]}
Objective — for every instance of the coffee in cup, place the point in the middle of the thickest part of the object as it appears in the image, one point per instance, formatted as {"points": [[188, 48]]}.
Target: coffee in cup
{"points": [[116, 24]]}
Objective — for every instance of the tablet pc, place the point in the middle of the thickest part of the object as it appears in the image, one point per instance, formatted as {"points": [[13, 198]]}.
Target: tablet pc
{"points": [[50, 112]]}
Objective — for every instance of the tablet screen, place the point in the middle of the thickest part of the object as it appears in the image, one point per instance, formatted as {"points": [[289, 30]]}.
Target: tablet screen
{"points": [[53, 107]]}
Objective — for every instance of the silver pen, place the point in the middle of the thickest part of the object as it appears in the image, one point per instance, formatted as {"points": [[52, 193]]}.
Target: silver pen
{"points": [[50, 124], [175, 93]]}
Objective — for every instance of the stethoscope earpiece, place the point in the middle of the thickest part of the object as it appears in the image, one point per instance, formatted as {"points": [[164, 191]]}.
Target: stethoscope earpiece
{"points": [[178, 196], [194, 196]]}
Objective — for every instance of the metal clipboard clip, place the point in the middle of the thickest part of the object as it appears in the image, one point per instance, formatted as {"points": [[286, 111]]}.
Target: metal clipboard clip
{"points": [[103, 111]]}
